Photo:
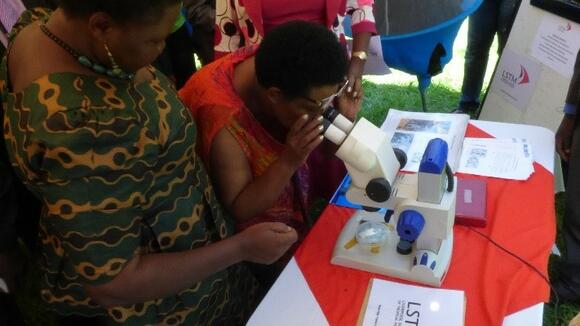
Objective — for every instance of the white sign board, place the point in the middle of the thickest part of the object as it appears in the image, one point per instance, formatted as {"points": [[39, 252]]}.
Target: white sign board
{"points": [[516, 78], [531, 32], [557, 43]]}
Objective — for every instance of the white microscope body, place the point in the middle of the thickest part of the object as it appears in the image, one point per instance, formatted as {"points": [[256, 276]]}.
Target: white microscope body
{"points": [[414, 239]]}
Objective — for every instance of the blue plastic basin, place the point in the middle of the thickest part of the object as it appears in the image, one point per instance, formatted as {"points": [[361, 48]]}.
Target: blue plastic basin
{"points": [[412, 52]]}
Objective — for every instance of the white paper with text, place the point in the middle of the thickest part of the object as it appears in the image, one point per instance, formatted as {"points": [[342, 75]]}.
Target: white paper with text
{"points": [[505, 158], [395, 304], [412, 131]]}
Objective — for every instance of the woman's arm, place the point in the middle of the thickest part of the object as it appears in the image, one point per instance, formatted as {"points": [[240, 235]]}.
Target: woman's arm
{"points": [[360, 45], [158, 275], [363, 27], [246, 196]]}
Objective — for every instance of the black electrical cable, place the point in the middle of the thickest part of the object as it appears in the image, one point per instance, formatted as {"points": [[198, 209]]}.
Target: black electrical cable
{"points": [[557, 321]]}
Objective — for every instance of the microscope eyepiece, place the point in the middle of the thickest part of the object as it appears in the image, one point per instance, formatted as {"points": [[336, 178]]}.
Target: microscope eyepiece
{"points": [[332, 133], [330, 114], [341, 122]]}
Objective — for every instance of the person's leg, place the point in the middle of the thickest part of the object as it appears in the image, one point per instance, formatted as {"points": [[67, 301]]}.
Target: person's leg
{"points": [[568, 285], [479, 39], [572, 210], [506, 14]]}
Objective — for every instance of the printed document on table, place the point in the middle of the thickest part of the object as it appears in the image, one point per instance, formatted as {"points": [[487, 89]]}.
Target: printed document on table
{"points": [[509, 158], [395, 304], [412, 131]]}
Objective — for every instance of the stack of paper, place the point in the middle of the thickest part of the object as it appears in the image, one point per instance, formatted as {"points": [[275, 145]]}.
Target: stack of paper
{"points": [[508, 158], [412, 131], [389, 303]]}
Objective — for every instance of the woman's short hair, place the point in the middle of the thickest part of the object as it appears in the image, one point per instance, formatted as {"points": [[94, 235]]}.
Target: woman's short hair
{"points": [[120, 10], [299, 55]]}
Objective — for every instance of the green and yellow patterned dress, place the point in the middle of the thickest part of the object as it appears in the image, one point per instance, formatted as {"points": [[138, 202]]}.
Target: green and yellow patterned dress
{"points": [[114, 165]]}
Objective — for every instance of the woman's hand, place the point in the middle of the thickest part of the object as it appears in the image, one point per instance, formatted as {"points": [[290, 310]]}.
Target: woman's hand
{"points": [[355, 72], [564, 136], [349, 106], [264, 243], [303, 137]]}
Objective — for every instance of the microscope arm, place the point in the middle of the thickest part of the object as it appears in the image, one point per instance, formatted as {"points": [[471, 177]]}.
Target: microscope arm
{"points": [[369, 158]]}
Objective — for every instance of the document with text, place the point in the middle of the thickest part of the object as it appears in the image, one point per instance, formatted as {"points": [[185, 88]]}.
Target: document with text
{"points": [[505, 158], [412, 131], [396, 304]]}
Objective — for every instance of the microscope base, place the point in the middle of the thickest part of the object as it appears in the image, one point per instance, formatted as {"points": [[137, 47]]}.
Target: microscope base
{"points": [[421, 266]]}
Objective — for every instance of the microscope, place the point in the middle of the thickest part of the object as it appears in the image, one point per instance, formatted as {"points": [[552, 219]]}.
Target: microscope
{"points": [[405, 229]]}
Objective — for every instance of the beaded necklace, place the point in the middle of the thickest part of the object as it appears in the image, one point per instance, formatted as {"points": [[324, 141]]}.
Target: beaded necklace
{"points": [[115, 72]]}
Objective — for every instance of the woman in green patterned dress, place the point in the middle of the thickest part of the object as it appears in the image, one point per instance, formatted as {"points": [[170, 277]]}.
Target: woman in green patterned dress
{"points": [[131, 230]]}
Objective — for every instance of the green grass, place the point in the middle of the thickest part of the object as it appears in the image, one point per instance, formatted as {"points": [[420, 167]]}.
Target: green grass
{"points": [[379, 98]]}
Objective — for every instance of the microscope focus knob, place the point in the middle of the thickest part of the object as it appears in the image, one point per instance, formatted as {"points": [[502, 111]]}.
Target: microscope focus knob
{"points": [[410, 225], [401, 156], [378, 190]]}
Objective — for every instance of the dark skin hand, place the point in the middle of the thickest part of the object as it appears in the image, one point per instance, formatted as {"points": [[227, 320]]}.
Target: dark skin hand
{"points": [[355, 72], [564, 136], [302, 139], [349, 106], [360, 42]]}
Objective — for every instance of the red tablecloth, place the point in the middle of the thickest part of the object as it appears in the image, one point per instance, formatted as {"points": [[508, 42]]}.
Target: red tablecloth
{"points": [[521, 218]]}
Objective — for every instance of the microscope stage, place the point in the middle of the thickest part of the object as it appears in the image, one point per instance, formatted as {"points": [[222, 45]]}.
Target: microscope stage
{"points": [[429, 268]]}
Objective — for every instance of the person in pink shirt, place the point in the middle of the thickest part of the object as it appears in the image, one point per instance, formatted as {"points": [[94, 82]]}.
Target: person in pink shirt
{"points": [[242, 23]]}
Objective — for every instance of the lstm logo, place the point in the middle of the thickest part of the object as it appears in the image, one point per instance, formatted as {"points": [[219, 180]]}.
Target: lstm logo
{"points": [[512, 79]]}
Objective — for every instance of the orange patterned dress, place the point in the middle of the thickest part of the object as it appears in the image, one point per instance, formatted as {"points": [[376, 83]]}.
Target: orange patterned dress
{"points": [[214, 103]]}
